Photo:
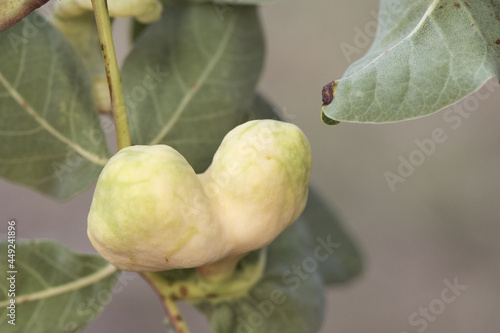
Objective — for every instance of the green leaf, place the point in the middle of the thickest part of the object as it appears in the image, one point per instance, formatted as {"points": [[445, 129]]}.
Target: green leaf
{"points": [[289, 297], [56, 290], [262, 108], [81, 32], [51, 135], [344, 262], [189, 77], [12, 11], [428, 54], [136, 29]]}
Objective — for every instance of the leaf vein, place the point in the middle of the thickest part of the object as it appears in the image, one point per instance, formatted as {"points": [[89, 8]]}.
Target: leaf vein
{"points": [[195, 88], [98, 160], [81, 283], [414, 31], [50, 83]]}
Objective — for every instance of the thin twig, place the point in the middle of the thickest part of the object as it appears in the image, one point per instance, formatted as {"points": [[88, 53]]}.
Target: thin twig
{"points": [[174, 314], [113, 73], [171, 308]]}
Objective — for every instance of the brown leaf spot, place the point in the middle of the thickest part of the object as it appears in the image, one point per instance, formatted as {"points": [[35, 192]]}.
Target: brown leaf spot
{"points": [[327, 93], [467, 4], [497, 41], [212, 295], [456, 4]]}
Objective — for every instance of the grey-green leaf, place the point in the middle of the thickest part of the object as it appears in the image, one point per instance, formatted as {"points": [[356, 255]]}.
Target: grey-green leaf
{"points": [[343, 261], [289, 298], [428, 54], [81, 32], [12, 11], [189, 77], [51, 136], [56, 290]]}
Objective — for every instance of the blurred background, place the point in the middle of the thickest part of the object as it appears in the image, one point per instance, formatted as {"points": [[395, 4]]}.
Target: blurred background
{"points": [[441, 223]]}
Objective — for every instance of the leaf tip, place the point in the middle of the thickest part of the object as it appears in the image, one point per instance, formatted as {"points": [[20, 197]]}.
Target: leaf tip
{"points": [[327, 120]]}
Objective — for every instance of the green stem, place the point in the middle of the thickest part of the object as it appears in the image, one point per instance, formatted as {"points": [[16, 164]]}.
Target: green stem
{"points": [[170, 305], [113, 73], [175, 316]]}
